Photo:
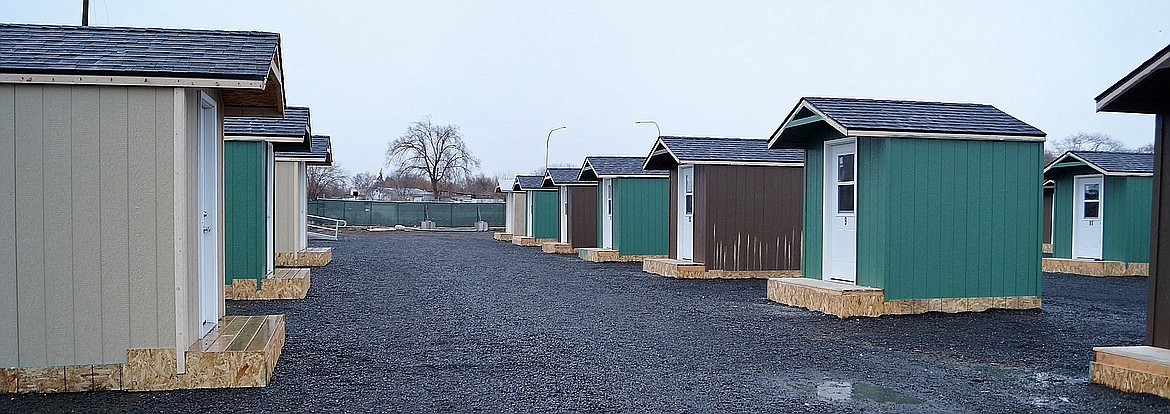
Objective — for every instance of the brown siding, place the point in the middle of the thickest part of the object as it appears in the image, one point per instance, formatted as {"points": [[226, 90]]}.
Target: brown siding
{"points": [[583, 216], [1046, 234], [673, 235], [1158, 310], [748, 217]]}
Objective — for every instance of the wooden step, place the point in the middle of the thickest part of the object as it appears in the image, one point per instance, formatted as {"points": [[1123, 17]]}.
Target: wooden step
{"points": [[1141, 369], [557, 248], [283, 283]]}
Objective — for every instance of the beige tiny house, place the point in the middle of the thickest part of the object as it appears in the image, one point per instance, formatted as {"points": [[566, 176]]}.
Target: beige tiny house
{"points": [[291, 209], [114, 182]]}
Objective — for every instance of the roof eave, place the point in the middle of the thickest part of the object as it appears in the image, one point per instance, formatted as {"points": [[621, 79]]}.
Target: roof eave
{"points": [[1109, 100]]}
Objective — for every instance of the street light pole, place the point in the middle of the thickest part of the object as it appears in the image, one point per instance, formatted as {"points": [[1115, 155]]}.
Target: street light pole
{"points": [[651, 122], [546, 141]]}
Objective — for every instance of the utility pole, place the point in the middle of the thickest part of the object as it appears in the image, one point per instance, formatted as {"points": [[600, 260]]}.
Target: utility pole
{"points": [[85, 12]]}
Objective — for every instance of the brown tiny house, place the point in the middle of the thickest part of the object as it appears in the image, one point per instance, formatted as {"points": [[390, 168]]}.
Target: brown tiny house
{"points": [[578, 211], [735, 208], [1144, 369]]}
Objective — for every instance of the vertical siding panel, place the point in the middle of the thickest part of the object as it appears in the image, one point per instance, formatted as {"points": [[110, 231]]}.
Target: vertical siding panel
{"points": [[813, 211], [191, 225], [947, 195], [164, 202], [142, 217], [962, 213], [86, 230], [999, 221], [9, 356], [30, 254], [115, 224], [58, 223], [284, 211]]}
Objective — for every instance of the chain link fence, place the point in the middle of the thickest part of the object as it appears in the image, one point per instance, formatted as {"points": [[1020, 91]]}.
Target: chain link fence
{"points": [[409, 213]]}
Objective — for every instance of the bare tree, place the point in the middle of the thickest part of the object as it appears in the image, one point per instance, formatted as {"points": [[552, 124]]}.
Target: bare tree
{"points": [[1146, 149], [362, 181], [326, 182], [1094, 141], [436, 152]]}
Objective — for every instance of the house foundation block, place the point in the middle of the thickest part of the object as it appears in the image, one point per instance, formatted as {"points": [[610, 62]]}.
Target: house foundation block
{"points": [[310, 257], [845, 300], [1141, 369], [1095, 267], [529, 241], [683, 269], [599, 255], [285, 283], [503, 236], [557, 247]]}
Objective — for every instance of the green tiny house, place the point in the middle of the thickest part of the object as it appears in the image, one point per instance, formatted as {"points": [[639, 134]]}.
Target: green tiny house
{"points": [[920, 201], [633, 205], [542, 211], [1101, 205]]}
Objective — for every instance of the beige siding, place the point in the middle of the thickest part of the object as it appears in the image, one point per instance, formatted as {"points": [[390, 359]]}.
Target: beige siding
{"points": [[93, 271], [519, 207], [289, 209]]}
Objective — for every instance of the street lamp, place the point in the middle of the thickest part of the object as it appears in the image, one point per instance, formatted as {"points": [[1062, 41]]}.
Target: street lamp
{"points": [[651, 122], [546, 141]]}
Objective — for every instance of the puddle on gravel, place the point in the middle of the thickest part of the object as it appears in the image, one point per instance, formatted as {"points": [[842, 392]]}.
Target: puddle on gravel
{"points": [[844, 391]]}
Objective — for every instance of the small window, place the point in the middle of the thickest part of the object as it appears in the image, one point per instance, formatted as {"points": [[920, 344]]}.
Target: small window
{"points": [[845, 168], [1092, 192], [1092, 209], [689, 186], [845, 198], [690, 202]]}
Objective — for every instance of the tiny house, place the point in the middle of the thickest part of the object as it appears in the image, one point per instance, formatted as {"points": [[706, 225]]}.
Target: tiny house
{"points": [[1101, 213], [1046, 209], [112, 259], [290, 215], [578, 210], [513, 211], [541, 211], [1144, 368], [249, 205], [913, 207], [720, 191], [632, 211]]}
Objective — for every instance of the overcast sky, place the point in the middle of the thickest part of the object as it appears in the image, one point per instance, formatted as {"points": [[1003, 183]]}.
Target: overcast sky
{"points": [[508, 71]]}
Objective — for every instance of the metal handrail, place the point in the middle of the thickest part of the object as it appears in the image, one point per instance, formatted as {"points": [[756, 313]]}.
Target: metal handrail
{"points": [[333, 226]]}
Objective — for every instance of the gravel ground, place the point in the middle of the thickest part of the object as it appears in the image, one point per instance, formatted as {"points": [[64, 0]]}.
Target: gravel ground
{"points": [[460, 322]]}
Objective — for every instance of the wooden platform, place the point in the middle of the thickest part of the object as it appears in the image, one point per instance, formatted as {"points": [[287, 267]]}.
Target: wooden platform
{"points": [[284, 283], [529, 241], [240, 351], [557, 248], [1095, 267], [1142, 369], [1046, 248], [599, 255], [846, 300], [311, 257], [501, 236], [683, 269]]}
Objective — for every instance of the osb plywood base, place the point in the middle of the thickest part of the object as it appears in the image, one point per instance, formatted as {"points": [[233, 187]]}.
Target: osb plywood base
{"points": [[557, 248], [1142, 369], [680, 269], [503, 236], [529, 241], [311, 257], [1095, 267], [1046, 248], [241, 351], [285, 283], [846, 301], [599, 255]]}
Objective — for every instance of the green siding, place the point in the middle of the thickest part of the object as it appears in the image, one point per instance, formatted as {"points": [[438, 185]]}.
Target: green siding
{"points": [[814, 184], [1062, 218], [545, 215], [1127, 216], [641, 217], [245, 211]]}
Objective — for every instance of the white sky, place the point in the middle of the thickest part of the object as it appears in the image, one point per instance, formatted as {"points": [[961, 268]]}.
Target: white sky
{"points": [[507, 72]]}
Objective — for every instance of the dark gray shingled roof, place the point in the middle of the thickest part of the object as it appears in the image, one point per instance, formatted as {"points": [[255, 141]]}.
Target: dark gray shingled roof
{"points": [[1110, 161], [565, 176], [528, 182], [728, 149], [606, 165], [294, 124], [319, 148], [132, 51], [917, 116]]}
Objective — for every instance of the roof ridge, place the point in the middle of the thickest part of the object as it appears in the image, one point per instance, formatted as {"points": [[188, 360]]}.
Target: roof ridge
{"points": [[711, 137], [1112, 152], [882, 100], [137, 28]]}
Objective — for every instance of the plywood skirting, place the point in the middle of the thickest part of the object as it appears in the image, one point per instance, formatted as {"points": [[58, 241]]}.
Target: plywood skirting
{"points": [[1095, 267], [557, 248], [286, 283], [503, 236], [245, 358], [674, 268], [529, 241], [310, 257], [846, 301], [1141, 369], [1046, 248]]}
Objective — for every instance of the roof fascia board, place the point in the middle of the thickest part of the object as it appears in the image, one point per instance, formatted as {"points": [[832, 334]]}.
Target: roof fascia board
{"points": [[941, 135], [301, 159], [655, 151], [269, 138], [1062, 157], [749, 163], [132, 81], [788, 120], [1137, 76]]}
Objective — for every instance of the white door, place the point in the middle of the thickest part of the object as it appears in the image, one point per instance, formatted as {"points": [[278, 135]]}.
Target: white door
{"points": [[209, 281], [607, 216], [270, 167], [1088, 192], [564, 195], [686, 213], [839, 261], [509, 214], [529, 199]]}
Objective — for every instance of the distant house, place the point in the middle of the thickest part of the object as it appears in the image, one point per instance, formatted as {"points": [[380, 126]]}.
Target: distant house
{"points": [[578, 210], [913, 207], [633, 209], [515, 216], [112, 259], [541, 211], [1101, 213], [401, 194], [1144, 368], [720, 189]]}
